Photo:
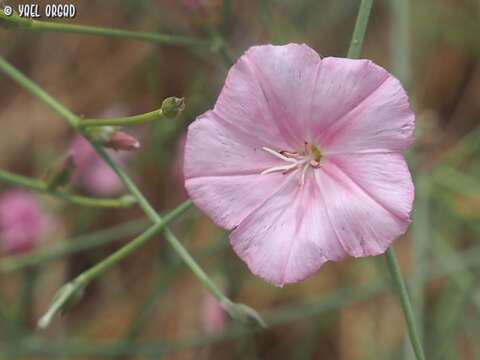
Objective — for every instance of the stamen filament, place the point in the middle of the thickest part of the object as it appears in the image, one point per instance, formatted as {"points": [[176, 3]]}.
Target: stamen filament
{"points": [[277, 154]]}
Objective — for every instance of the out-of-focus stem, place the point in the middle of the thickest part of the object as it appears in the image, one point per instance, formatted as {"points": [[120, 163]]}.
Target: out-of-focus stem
{"points": [[72, 289], [42, 187], [50, 26], [239, 312]]}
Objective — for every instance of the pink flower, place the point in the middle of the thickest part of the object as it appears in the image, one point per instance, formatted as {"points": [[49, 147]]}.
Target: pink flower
{"points": [[92, 172], [301, 159], [213, 315], [22, 222]]}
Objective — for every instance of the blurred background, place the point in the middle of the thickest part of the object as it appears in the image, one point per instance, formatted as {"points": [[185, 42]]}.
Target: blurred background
{"points": [[150, 306]]}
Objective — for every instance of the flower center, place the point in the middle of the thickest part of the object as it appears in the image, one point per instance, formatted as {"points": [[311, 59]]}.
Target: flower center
{"points": [[308, 158]]}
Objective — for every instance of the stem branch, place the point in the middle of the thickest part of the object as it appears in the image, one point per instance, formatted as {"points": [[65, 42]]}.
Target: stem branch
{"points": [[124, 121], [50, 26], [42, 187]]}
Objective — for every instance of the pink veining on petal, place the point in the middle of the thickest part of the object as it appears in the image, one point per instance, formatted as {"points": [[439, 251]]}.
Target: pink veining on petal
{"points": [[300, 158], [22, 222]]}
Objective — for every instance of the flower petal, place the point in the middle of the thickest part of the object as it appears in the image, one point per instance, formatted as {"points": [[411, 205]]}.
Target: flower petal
{"points": [[383, 176], [362, 223], [214, 148], [289, 236], [368, 110], [229, 199], [268, 92]]}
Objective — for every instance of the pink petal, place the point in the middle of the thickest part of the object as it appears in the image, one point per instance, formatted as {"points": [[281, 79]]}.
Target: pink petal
{"points": [[341, 84], [268, 93], [385, 177], [214, 148], [229, 199], [289, 236], [364, 223], [364, 110]]}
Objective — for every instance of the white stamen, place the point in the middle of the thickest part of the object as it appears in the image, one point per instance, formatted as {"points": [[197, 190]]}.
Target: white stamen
{"points": [[277, 154], [294, 161]]}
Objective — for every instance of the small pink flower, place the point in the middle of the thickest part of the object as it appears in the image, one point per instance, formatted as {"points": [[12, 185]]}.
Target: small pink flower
{"points": [[213, 315], [22, 222], [91, 171], [301, 159]]}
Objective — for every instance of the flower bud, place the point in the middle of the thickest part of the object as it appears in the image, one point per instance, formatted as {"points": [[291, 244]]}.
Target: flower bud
{"points": [[112, 137], [172, 106], [60, 174], [122, 141]]}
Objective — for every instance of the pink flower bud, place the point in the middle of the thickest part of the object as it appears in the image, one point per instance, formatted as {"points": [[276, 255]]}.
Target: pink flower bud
{"points": [[120, 140]]}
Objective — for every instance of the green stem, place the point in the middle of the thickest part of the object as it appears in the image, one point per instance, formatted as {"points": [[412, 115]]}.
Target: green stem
{"points": [[358, 36], [309, 308], [70, 246], [125, 121], [405, 301], [326, 304], [239, 312], [42, 187], [354, 51], [38, 92], [49, 26], [72, 289]]}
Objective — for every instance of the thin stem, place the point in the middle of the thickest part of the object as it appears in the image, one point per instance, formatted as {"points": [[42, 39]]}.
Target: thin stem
{"points": [[326, 304], [42, 187], [239, 312], [358, 36], [171, 238], [400, 40], [72, 289], [70, 246], [405, 301], [124, 121], [38, 92], [354, 51], [48, 26]]}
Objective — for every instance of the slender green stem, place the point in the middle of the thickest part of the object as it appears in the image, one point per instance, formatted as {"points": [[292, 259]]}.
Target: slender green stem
{"points": [[73, 245], [72, 289], [326, 304], [239, 312], [397, 278], [400, 40], [42, 187], [124, 121], [38, 92], [48, 26], [354, 51], [358, 36]]}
